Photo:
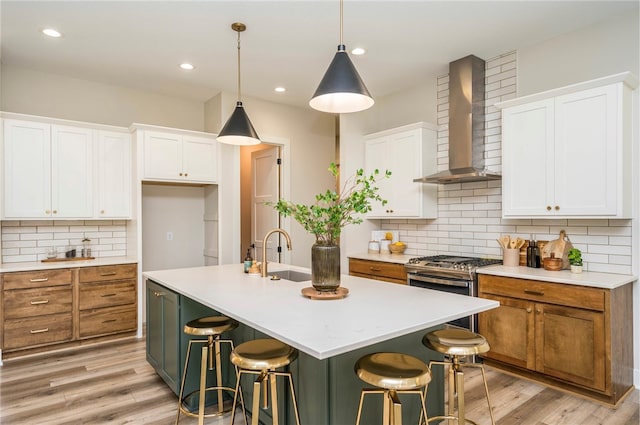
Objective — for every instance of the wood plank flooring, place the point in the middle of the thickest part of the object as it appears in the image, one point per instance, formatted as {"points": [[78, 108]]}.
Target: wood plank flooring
{"points": [[113, 384]]}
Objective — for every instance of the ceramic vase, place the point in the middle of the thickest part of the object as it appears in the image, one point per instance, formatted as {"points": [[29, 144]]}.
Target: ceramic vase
{"points": [[325, 267], [576, 269]]}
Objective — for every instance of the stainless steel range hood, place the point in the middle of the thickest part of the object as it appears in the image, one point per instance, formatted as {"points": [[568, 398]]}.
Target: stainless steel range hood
{"points": [[466, 125]]}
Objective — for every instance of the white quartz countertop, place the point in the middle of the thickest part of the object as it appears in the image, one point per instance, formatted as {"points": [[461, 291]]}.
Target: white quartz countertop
{"points": [[38, 265], [386, 257], [374, 311], [593, 279]]}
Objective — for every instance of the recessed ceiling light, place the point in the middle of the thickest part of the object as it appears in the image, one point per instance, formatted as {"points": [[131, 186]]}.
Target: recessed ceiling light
{"points": [[280, 89], [51, 32], [358, 51], [187, 66]]}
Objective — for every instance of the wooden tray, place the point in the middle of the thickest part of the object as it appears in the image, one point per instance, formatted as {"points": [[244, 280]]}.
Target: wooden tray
{"points": [[55, 260], [310, 292]]}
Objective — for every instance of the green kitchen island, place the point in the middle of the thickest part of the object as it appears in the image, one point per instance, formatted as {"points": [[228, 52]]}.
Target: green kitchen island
{"points": [[329, 334]]}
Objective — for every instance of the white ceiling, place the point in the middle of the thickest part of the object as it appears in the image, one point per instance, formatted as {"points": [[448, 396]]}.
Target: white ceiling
{"points": [[139, 44]]}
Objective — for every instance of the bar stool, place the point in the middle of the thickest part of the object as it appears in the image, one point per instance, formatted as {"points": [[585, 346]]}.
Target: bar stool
{"points": [[262, 357], [457, 343], [212, 327], [393, 374]]}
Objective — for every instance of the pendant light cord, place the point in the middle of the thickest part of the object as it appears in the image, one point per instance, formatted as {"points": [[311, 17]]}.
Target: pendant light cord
{"points": [[341, 6], [239, 91]]}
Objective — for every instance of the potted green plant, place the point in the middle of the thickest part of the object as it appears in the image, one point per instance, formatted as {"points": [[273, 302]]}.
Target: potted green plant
{"points": [[575, 260], [325, 219]]}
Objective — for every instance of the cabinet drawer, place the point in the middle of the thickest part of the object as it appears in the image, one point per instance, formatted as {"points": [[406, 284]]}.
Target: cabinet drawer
{"points": [[551, 293], [20, 333], [37, 279], [104, 273], [26, 303], [108, 320], [95, 295], [377, 268]]}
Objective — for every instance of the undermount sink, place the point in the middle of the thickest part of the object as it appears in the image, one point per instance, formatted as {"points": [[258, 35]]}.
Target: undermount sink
{"points": [[292, 275]]}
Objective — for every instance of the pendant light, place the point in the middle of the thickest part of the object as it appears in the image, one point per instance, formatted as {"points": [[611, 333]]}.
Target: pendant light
{"points": [[238, 130], [341, 90]]}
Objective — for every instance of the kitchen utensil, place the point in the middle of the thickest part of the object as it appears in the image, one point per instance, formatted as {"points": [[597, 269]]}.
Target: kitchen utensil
{"points": [[505, 241], [519, 243], [513, 244]]}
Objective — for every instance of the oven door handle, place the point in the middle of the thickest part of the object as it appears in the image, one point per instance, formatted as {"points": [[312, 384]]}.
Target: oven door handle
{"points": [[435, 280]]}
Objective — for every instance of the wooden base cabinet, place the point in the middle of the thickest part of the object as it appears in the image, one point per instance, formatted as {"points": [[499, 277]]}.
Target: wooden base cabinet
{"points": [[574, 337], [379, 270], [58, 308]]}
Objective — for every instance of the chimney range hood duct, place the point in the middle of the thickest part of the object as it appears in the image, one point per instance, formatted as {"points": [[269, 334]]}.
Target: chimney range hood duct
{"points": [[466, 125]]}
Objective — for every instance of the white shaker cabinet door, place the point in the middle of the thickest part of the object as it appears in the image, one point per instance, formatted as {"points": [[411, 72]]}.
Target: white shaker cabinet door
{"points": [[377, 157], [199, 159], [27, 169], [162, 156], [586, 152], [71, 172], [528, 158], [114, 175]]}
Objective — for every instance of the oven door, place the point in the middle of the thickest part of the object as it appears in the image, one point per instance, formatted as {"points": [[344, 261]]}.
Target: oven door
{"points": [[445, 284]]}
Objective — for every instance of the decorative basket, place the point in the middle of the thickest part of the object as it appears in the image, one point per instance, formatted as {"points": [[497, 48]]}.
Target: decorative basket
{"points": [[397, 249]]}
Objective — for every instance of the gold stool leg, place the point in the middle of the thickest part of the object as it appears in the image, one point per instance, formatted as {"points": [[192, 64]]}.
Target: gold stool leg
{"points": [[486, 388], [459, 377], [293, 397], [203, 384], [184, 375], [362, 393], [274, 399], [255, 405], [235, 398], [218, 367], [396, 411]]}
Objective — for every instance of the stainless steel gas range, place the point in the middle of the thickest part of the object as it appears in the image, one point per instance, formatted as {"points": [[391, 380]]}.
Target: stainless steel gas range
{"points": [[448, 273]]}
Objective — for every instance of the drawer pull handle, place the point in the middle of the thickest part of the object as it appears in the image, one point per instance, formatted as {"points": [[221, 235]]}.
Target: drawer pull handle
{"points": [[39, 331], [375, 269], [108, 295], [108, 274], [39, 302], [41, 279], [530, 292], [109, 321], [159, 294]]}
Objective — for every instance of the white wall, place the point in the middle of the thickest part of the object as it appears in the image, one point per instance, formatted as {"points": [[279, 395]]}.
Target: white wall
{"points": [[597, 51], [33, 92], [180, 211]]}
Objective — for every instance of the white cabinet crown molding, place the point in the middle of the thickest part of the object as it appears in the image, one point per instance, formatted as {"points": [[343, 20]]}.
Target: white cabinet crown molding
{"points": [[180, 131], [628, 78], [63, 122]]}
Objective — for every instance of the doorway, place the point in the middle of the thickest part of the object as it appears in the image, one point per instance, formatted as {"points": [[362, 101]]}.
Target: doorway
{"points": [[261, 181]]}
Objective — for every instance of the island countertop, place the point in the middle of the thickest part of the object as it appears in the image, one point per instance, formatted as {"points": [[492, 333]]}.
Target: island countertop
{"points": [[374, 311]]}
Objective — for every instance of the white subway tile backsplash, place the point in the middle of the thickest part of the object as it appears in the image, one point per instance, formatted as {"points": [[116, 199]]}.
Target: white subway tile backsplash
{"points": [[29, 240]]}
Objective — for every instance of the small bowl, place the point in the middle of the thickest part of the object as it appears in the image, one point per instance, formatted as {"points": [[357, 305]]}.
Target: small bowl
{"points": [[397, 249], [552, 264]]}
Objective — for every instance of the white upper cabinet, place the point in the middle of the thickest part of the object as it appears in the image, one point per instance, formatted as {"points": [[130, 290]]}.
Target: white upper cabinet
{"points": [[169, 156], [409, 152], [113, 164], [47, 170], [566, 153], [56, 170]]}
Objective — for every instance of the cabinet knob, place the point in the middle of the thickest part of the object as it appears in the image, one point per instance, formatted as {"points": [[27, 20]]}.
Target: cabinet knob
{"points": [[47, 212], [548, 207], [538, 311], [557, 208], [186, 174], [101, 211], [55, 211], [529, 310], [158, 294], [390, 211], [180, 174]]}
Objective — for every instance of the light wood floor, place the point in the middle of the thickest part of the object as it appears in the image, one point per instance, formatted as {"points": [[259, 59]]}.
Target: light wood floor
{"points": [[114, 384]]}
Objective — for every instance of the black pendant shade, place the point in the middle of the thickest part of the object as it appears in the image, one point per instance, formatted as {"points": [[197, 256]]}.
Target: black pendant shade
{"points": [[341, 90], [238, 130]]}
